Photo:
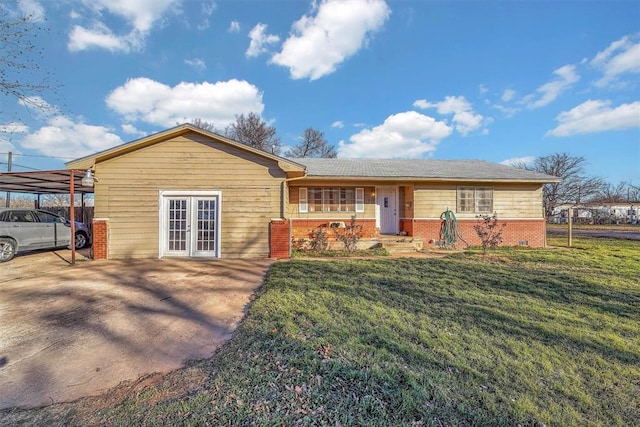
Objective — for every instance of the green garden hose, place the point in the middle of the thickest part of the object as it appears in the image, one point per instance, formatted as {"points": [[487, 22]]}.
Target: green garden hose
{"points": [[449, 231]]}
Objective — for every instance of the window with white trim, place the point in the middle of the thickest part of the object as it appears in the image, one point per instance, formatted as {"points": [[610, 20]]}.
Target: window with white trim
{"points": [[475, 199], [331, 199], [303, 204]]}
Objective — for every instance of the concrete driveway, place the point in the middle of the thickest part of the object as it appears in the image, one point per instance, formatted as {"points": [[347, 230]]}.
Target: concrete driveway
{"points": [[74, 331]]}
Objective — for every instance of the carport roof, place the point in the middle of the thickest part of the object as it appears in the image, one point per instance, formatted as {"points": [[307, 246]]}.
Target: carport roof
{"points": [[43, 182]]}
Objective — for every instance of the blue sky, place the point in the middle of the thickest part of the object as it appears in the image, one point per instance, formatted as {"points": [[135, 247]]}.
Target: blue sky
{"points": [[496, 81]]}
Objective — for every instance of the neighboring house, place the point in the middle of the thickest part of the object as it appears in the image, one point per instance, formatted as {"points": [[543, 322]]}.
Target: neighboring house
{"points": [[598, 213], [189, 192]]}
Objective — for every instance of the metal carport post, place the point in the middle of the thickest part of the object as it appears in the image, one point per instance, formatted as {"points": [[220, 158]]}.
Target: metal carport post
{"points": [[61, 181]]}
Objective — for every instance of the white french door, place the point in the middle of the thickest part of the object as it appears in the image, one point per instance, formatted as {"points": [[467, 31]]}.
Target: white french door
{"points": [[190, 224]]}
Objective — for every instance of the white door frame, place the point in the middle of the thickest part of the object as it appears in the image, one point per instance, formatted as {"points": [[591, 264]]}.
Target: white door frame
{"points": [[395, 206], [192, 195]]}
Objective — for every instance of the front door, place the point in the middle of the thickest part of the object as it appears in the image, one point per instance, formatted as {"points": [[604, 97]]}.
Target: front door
{"points": [[387, 206], [190, 225]]}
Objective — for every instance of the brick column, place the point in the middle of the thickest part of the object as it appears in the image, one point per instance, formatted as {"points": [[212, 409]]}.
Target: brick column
{"points": [[100, 238], [279, 238]]}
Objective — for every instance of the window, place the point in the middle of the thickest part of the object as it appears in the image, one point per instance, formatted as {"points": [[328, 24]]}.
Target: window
{"points": [[315, 200], [47, 217], [303, 203], [475, 199], [331, 199]]}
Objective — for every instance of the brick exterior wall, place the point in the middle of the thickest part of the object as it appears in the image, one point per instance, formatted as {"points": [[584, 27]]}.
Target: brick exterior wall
{"points": [[100, 239], [407, 226], [301, 228], [517, 230], [279, 239]]}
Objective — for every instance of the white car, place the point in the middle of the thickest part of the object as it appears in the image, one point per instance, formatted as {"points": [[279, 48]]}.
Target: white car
{"points": [[28, 229]]}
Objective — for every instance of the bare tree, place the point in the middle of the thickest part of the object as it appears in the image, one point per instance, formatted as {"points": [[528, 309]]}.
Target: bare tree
{"points": [[55, 200], [633, 192], [610, 193], [208, 126], [255, 132], [20, 73], [575, 187], [313, 144], [19, 201]]}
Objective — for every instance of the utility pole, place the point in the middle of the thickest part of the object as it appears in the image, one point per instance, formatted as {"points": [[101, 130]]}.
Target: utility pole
{"points": [[8, 198]]}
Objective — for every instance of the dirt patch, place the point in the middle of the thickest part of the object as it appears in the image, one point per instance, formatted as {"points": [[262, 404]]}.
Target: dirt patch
{"points": [[74, 331]]}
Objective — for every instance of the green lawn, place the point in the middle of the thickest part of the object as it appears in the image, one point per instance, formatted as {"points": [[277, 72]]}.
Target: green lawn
{"points": [[523, 336]]}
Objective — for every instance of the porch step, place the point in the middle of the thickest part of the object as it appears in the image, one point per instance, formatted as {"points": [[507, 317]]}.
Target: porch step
{"points": [[396, 244]]}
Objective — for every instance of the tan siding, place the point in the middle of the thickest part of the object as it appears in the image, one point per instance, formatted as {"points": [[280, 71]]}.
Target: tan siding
{"points": [[509, 200], [431, 200], [128, 194], [518, 202]]}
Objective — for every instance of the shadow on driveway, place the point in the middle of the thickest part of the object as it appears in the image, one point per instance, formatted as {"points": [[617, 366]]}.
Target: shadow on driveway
{"points": [[74, 331]]}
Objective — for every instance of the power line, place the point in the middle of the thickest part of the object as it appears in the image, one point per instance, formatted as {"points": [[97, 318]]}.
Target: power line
{"points": [[25, 167], [39, 155]]}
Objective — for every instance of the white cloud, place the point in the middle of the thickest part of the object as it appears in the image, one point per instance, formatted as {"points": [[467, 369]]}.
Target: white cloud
{"points": [[516, 161], [139, 14], [197, 63], [7, 146], [597, 116], [39, 107], [337, 124], [33, 9], [100, 36], [207, 9], [464, 118], [548, 92], [621, 57], [62, 136], [508, 95], [318, 44], [260, 40], [482, 89], [143, 99], [234, 27], [405, 135], [508, 111], [13, 128], [132, 130]]}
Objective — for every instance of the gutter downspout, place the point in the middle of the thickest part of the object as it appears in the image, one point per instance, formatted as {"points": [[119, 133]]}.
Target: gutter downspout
{"points": [[285, 187]]}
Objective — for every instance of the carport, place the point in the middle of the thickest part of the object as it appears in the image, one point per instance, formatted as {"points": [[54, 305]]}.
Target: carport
{"points": [[63, 181]]}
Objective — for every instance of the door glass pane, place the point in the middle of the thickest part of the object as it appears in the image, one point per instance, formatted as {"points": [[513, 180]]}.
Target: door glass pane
{"points": [[206, 227], [177, 225]]}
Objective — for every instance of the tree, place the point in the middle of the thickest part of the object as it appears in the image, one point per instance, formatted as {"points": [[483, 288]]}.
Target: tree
{"points": [[575, 187], [313, 144], [208, 126], [20, 74], [610, 193], [255, 132]]}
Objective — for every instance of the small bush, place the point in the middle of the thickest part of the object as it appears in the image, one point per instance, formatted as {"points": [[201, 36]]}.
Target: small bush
{"points": [[319, 241], [350, 235], [489, 231]]}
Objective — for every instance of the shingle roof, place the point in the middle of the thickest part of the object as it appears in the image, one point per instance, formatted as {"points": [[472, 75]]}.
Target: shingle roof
{"points": [[419, 169]]}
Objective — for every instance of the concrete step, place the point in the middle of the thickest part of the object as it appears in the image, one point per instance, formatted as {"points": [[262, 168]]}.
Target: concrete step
{"points": [[396, 244]]}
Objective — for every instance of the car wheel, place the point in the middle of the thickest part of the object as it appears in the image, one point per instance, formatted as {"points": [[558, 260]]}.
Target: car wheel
{"points": [[7, 249], [81, 240]]}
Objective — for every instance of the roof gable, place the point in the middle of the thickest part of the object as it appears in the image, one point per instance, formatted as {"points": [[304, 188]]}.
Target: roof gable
{"points": [[88, 162]]}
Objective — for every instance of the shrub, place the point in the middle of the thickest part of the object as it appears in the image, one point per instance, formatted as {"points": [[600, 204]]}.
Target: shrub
{"points": [[319, 241], [350, 235], [489, 231]]}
